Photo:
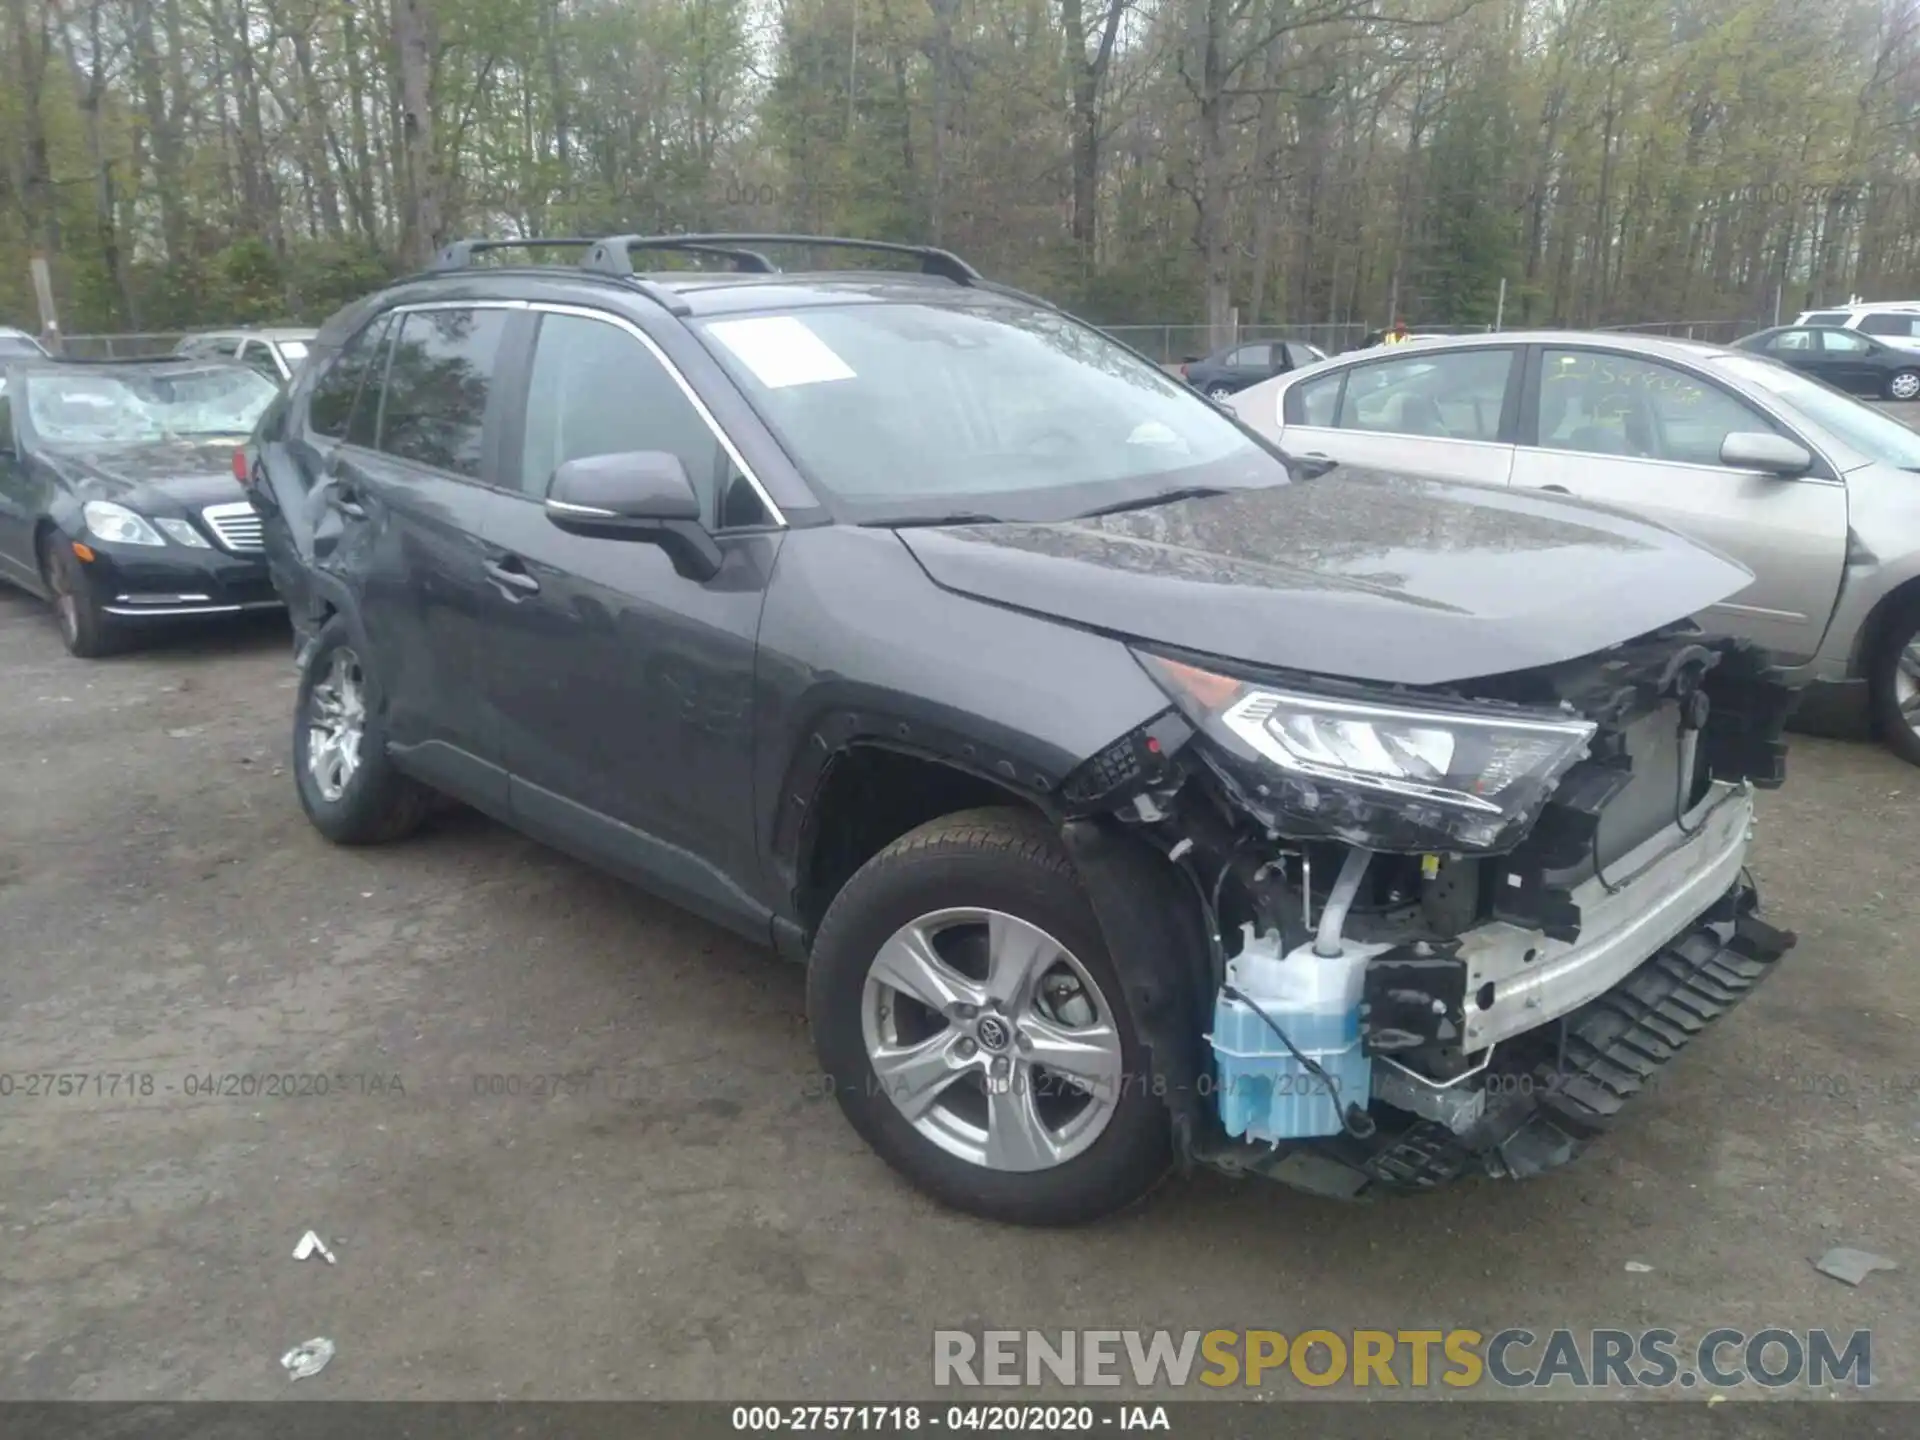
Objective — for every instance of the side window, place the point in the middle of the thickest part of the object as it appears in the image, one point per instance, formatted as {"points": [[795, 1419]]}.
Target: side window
{"points": [[1844, 342], [330, 402], [256, 355], [1457, 396], [1797, 342], [1890, 322], [434, 408], [1300, 356], [596, 390], [1251, 355], [1617, 405], [1313, 403]]}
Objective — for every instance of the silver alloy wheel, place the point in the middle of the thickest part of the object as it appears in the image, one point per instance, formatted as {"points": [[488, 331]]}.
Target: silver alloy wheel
{"points": [[1016, 1068], [1905, 385], [1219, 392], [336, 720], [1906, 683]]}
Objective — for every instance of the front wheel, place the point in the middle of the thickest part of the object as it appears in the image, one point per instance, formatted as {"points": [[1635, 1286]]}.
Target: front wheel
{"points": [[1219, 392], [976, 1033], [348, 786], [1903, 385], [86, 629], [1896, 685]]}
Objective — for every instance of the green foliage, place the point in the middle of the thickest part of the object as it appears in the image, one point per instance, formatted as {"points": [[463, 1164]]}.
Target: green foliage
{"points": [[1683, 157]]}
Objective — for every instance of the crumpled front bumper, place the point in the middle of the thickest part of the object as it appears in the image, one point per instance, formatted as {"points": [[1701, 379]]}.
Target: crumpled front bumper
{"points": [[1548, 1110]]}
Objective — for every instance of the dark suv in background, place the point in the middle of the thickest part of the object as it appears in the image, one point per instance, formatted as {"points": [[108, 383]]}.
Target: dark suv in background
{"points": [[1130, 798]]}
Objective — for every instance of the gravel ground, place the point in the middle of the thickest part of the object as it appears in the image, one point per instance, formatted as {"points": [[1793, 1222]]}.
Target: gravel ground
{"points": [[693, 1220]]}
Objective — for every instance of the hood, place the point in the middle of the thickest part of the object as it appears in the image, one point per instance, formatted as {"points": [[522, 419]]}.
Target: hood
{"points": [[191, 473], [1357, 575]]}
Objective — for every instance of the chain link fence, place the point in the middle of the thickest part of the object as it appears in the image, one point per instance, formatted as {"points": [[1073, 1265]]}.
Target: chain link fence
{"points": [[1171, 344], [120, 347], [1713, 332]]}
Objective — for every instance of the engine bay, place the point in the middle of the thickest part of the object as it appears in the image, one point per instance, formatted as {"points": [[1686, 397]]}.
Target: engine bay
{"points": [[1351, 928]]}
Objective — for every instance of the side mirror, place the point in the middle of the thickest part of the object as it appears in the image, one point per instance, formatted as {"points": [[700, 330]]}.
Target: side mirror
{"points": [[635, 495], [1759, 450]]}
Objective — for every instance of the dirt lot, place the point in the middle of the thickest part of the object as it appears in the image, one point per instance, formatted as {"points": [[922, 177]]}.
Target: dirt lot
{"points": [[692, 1221]]}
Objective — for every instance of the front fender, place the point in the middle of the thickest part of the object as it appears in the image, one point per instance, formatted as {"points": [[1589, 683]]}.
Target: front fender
{"points": [[1149, 914]]}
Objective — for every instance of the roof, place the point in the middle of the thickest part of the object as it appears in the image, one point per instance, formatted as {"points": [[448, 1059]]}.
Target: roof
{"points": [[1857, 307], [692, 293], [258, 332], [1625, 340]]}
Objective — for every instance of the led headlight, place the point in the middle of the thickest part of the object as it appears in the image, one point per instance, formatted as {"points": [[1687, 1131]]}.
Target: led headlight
{"points": [[181, 532], [118, 524], [1382, 774]]}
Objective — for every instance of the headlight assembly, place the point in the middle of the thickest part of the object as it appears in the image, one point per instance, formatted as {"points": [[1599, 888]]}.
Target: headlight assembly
{"points": [[1379, 774], [119, 525], [181, 532]]}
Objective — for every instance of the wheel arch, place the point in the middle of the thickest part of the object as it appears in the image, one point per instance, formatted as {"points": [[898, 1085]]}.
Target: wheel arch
{"points": [[1873, 631], [847, 801]]}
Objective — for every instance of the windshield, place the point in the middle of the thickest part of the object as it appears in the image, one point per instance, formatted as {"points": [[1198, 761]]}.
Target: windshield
{"points": [[994, 411], [149, 403], [1860, 426]]}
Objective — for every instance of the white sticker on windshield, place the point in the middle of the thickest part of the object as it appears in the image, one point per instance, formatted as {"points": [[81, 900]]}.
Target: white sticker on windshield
{"points": [[781, 351]]}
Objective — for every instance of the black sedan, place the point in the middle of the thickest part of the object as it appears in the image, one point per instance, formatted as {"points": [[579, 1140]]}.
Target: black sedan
{"points": [[1845, 359], [118, 500], [1233, 369]]}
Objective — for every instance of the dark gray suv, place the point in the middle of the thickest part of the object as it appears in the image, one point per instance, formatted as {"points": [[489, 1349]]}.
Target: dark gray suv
{"points": [[1134, 797]]}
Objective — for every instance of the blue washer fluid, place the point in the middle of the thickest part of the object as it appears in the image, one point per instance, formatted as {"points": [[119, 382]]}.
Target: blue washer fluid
{"points": [[1262, 1091]]}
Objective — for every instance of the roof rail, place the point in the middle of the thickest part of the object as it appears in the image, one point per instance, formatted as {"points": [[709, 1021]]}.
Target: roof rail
{"points": [[458, 254], [613, 255]]}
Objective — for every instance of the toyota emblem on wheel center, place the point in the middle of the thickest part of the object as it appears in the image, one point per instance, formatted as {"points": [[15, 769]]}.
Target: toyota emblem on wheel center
{"points": [[993, 1032]]}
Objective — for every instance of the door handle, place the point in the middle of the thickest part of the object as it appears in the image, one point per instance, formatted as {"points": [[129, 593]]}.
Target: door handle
{"points": [[510, 578], [1557, 489]]}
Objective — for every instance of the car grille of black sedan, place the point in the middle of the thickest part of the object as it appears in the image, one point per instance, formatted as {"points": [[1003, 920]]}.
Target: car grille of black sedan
{"points": [[236, 526]]}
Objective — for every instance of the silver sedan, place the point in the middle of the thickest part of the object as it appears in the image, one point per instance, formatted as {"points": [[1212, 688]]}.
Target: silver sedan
{"points": [[1817, 494]]}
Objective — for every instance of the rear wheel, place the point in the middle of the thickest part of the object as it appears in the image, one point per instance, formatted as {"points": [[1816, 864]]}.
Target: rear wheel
{"points": [[348, 786], [976, 1033], [86, 629], [1219, 392], [1903, 385], [1896, 685]]}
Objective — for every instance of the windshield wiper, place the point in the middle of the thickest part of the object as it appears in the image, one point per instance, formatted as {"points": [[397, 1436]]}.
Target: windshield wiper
{"points": [[1164, 497], [916, 522]]}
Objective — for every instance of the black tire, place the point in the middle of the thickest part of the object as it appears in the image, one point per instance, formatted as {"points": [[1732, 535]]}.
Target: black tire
{"points": [[1900, 377], [1010, 861], [1219, 394], [85, 629], [1895, 727], [376, 803]]}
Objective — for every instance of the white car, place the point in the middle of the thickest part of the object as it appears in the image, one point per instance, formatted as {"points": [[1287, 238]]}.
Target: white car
{"points": [[277, 353], [1895, 322], [1815, 493]]}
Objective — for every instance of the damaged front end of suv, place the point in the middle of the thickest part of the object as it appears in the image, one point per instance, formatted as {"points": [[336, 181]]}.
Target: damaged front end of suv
{"points": [[1443, 930]]}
